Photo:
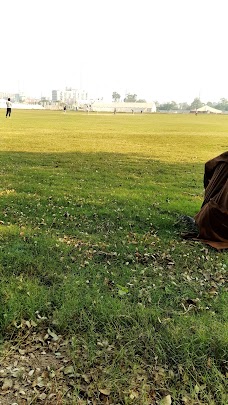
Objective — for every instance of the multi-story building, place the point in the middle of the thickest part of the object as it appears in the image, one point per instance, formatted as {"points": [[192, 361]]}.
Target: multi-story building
{"points": [[4, 95], [19, 97], [15, 97], [69, 96], [57, 96]]}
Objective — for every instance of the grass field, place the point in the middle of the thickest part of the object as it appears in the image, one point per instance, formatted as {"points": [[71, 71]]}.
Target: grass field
{"points": [[91, 256]]}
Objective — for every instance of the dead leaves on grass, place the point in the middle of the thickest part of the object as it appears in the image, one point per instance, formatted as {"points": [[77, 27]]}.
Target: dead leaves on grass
{"points": [[36, 367]]}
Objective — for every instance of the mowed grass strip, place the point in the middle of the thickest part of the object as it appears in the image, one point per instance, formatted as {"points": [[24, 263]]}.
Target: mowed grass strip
{"points": [[90, 238]]}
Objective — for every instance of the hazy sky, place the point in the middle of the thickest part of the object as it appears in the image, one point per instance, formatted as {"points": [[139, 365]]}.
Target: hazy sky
{"points": [[159, 49]]}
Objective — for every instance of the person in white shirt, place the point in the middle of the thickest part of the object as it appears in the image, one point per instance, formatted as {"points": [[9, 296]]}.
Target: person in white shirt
{"points": [[8, 107]]}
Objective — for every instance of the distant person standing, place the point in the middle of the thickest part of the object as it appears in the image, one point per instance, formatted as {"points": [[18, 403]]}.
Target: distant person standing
{"points": [[64, 109], [8, 108]]}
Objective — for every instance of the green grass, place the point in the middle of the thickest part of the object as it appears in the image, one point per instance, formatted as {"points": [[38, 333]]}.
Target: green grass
{"points": [[89, 237]]}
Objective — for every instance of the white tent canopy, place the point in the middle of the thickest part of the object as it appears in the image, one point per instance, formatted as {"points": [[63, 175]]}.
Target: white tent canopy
{"points": [[208, 109]]}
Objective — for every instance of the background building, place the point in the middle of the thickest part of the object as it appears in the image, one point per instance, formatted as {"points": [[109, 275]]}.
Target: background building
{"points": [[69, 96]]}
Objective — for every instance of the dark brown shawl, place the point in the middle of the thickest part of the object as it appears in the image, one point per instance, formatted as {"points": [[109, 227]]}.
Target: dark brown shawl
{"points": [[212, 219]]}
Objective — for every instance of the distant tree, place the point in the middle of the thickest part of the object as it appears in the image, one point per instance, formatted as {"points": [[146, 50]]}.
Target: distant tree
{"points": [[130, 98], [165, 107], [222, 104], [184, 106], [141, 100], [210, 104], [196, 104], [115, 96], [223, 101], [172, 105]]}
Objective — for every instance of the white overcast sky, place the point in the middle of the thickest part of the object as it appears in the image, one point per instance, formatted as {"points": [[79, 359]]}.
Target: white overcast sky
{"points": [[159, 49]]}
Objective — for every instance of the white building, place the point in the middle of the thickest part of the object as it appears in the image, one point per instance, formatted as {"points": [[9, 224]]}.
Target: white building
{"points": [[70, 96]]}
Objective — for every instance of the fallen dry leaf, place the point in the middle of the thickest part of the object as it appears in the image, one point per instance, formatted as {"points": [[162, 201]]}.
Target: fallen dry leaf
{"points": [[7, 383], [105, 391], [69, 370], [166, 400], [53, 335]]}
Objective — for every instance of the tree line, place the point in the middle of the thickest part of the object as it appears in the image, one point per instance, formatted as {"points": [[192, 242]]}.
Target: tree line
{"points": [[196, 103], [173, 105], [129, 98]]}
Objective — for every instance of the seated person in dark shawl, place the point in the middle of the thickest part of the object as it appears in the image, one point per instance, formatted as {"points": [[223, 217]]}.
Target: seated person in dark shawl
{"points": [[212, 219]]}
